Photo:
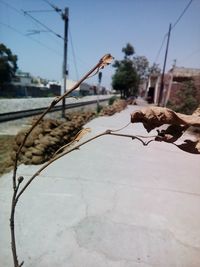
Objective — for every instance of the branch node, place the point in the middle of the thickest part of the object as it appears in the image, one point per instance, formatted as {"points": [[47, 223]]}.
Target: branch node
{"points": [[20, 179], [108, 131]]}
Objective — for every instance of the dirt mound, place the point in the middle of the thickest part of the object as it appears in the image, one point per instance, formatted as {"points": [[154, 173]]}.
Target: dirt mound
{"points": [[52, 134], [117, 106], [48, 137]]}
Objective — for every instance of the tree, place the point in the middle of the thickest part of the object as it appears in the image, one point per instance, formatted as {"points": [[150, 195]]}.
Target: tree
{"points": [[128, 50], [154, 69], [8, 64], [141, 65], [130, 72], [125, 77]]}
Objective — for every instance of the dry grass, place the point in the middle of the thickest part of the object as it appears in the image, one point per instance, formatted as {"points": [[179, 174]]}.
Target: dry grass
{"points": [[6, 143]]}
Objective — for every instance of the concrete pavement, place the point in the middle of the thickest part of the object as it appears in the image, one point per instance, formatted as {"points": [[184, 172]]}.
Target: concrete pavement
{"points": [[113, 203]]}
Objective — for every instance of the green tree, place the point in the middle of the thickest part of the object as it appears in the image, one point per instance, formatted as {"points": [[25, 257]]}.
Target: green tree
{"points": [[125, 77], [8, 64], [128, 50], [154, 69], [141, 65], [130, 72]]}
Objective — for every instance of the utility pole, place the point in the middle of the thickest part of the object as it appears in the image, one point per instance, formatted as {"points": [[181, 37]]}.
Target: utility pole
{"points": [[65, 17], [164, 65], [98, 89]]}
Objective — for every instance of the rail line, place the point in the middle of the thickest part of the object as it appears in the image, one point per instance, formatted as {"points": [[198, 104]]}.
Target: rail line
{"points": [[31, 112]]}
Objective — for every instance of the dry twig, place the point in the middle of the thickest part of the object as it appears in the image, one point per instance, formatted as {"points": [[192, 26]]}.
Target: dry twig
{"points": [[153, 117], [104, 61]]}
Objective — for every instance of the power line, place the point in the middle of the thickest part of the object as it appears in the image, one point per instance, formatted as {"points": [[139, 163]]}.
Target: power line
{"points": [[43, 25], [173, 26], [22, 13], [73, 54], [159, 51], [182, 13], [57, 9], [39, 11], [34, 40], [11, 7], [32, 32]]}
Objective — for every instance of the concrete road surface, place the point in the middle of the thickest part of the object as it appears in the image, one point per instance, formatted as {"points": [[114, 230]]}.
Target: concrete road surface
{"points": [[113, 203]]}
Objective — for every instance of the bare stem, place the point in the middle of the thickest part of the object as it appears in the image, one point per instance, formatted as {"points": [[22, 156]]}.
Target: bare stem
{"points": [[107, 132], [54, 159], [105, 60], [17, 194], [102, 62], [12, 224]]}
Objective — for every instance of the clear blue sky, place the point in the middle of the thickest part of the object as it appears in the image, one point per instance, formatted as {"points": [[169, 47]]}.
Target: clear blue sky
{"points": [[97, 28]]}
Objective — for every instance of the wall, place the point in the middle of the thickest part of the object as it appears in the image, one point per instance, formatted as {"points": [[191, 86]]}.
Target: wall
{"points": [[13, 91]]}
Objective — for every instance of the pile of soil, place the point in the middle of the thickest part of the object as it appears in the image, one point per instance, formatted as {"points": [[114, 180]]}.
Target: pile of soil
{"points": [[117, 106], [51, 134], [6, 147], [48, 137]]}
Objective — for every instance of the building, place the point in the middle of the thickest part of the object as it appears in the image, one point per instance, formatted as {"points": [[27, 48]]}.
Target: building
{"points": [[173, 81], [22, 78]]}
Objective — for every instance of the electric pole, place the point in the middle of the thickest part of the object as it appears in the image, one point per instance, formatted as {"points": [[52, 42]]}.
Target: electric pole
{"points": [[164, 65], [98, 89], [65, 17]]}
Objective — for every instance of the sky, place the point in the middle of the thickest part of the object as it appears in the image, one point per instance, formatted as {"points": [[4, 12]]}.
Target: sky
{"points": [[95, 29]]}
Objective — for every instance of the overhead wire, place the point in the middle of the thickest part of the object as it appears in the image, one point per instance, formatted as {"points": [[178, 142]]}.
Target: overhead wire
{"points": [[57, 9], [11, 7], [22, 13], [160, 49], [39, 11], [74, 56], [48, 29], [43, 25], [34, 40], [172, 27], [181, 15]]}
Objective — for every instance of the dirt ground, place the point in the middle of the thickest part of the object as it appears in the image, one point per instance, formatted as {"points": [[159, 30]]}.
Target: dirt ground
{"points": [[6, 142]]}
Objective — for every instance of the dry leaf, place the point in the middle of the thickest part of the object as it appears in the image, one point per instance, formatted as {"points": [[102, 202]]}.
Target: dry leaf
{"points": [[82, 133], [171, 134], [190, 146], [153, 117], [106, 60]]}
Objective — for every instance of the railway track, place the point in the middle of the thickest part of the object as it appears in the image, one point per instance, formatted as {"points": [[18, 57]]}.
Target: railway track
{"points": [[31, 112]]}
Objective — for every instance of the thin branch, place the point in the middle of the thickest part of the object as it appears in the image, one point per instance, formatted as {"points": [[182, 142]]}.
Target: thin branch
{"points": [[132, 137], [61, 148], [12, 222], [54, 159], [107, 132], [122, 128], [105, 60]]}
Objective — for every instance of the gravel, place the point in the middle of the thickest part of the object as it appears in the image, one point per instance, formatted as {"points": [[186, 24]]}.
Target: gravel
{"points": [[11, 105]]}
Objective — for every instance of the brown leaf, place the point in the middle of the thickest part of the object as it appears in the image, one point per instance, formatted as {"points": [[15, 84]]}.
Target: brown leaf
{"points": [[106, 60], [190, 146], [81, 134], [153, 117], [171, 134]]}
